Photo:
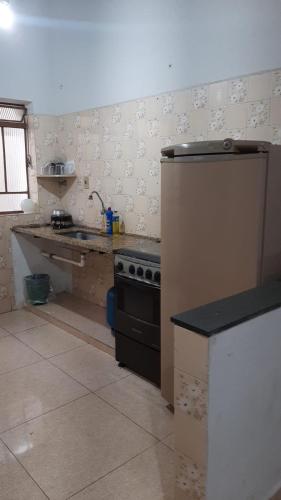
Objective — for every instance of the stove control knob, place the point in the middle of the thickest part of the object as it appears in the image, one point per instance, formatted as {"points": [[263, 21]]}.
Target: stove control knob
{"points": [[140, 271], [132, 269], [119, 266], [157, 277], [148, 274]]}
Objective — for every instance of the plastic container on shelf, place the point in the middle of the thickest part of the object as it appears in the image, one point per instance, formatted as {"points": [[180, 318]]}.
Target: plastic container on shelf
{"points": [[122, 227], [115, 222], [109, 219]]}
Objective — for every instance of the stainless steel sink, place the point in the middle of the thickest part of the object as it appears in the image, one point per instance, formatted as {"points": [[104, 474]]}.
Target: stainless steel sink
{"points": [[81, 235]]}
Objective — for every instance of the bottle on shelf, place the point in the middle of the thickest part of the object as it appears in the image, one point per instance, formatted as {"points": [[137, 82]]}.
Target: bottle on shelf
{"points": [[122, 227], [109, 218], [115, 222]]}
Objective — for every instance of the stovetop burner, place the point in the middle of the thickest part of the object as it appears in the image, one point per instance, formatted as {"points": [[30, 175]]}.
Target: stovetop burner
{"points": [[138, 265]]}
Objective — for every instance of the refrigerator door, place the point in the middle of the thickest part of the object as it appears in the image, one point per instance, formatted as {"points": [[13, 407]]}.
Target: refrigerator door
{"points": [[211, 230]]}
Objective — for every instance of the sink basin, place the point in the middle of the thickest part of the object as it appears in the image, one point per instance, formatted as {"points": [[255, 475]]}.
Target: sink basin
{"points": [[81, 235]]}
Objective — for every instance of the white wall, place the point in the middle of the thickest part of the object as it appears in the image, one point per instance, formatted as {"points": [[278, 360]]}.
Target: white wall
{"points": [[25, 57], [121, 49], [244, 433], [68, 55]]}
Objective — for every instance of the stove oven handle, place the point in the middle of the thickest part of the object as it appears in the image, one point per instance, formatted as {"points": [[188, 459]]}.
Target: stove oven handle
{"points": [[135, 283], [135, 330]]}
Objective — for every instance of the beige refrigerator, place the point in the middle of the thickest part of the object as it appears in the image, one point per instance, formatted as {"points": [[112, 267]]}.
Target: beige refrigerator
{"points": [[220, 227]]}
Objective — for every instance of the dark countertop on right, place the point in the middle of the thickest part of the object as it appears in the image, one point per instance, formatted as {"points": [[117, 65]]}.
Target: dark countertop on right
{"points": [[221, 315]]}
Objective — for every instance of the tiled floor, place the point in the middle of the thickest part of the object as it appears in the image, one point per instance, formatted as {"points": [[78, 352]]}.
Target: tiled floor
{"points": [[85, 316], [75, 425]]}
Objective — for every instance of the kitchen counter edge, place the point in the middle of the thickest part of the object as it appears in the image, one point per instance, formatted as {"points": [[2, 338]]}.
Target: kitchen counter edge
{"points": [[221, 315], [103, 244]]}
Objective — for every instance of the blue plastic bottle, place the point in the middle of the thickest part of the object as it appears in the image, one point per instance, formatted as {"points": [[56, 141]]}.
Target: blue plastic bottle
{"points": [[109, 219]]}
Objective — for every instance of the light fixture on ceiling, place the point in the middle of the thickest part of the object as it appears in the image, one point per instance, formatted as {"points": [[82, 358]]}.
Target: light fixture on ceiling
{"points": [[6, 15]]}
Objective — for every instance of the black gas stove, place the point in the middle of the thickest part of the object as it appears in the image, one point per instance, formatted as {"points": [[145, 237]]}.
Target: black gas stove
{"points": [[137, 279]]}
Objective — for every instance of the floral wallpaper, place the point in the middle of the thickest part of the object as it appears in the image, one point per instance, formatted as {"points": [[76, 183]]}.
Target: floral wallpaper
{"points": [[190, 478], [118, 148], [43, 148], [191, 416], [192, 396]]}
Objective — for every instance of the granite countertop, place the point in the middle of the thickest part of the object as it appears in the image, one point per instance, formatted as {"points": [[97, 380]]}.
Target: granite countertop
{"points": [[224, 314], [102, 244]]}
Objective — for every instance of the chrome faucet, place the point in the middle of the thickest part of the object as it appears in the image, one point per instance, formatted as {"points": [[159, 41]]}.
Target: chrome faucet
{"points": [[99, 197]]}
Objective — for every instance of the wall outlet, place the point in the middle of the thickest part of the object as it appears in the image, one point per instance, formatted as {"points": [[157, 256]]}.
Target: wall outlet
{"points": [[86, 183]]}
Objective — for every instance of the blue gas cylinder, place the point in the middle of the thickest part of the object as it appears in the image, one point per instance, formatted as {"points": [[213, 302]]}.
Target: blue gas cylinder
{"points": [[110, 307]]}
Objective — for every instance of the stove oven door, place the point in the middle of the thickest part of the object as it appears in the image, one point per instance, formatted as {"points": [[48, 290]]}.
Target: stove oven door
{"points": [[138, 311]]}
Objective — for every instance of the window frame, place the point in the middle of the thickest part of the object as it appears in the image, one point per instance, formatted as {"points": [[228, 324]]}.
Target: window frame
{"points": [[14, 124]]}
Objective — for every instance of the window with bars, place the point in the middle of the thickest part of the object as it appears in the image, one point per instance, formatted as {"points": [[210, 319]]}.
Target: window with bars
{"points": [[13, 157]]}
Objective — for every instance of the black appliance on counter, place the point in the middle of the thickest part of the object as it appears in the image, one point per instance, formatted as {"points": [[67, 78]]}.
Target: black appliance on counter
{"points": [[137, 316], [61, 220]]}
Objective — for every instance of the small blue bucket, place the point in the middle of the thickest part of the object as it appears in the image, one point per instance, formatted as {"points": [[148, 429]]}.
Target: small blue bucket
{"points": [[37, 288]]}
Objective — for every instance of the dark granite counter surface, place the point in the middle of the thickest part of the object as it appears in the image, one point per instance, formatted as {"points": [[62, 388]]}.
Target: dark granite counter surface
{"points": [[221, 315]]}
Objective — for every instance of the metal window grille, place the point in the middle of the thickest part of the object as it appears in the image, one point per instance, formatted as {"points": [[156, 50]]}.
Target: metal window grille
{"points": [[13, 157]]}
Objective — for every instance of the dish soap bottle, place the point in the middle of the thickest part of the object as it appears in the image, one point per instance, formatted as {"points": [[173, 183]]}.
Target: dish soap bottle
{"points": [[109, 218], [122, 227], [115, 222]]}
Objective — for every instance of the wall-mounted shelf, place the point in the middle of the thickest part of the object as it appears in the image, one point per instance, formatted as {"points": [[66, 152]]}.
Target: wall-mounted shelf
{"points": [[59, 178]]}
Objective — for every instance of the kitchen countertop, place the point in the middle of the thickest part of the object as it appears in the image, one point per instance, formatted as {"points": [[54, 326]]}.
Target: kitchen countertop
{"points": [[221, 315], [103, 243]]}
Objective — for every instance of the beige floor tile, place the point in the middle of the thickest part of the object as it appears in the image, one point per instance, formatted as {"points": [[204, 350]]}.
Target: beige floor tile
{"points": [[149, 476], [170, 441], [49, 340], [91, 367], [18, 321], [95, 329], [33, 390], [142, 402], [15, 483], [14, 354], [73, 446], [3, 333], [101, 333]]}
